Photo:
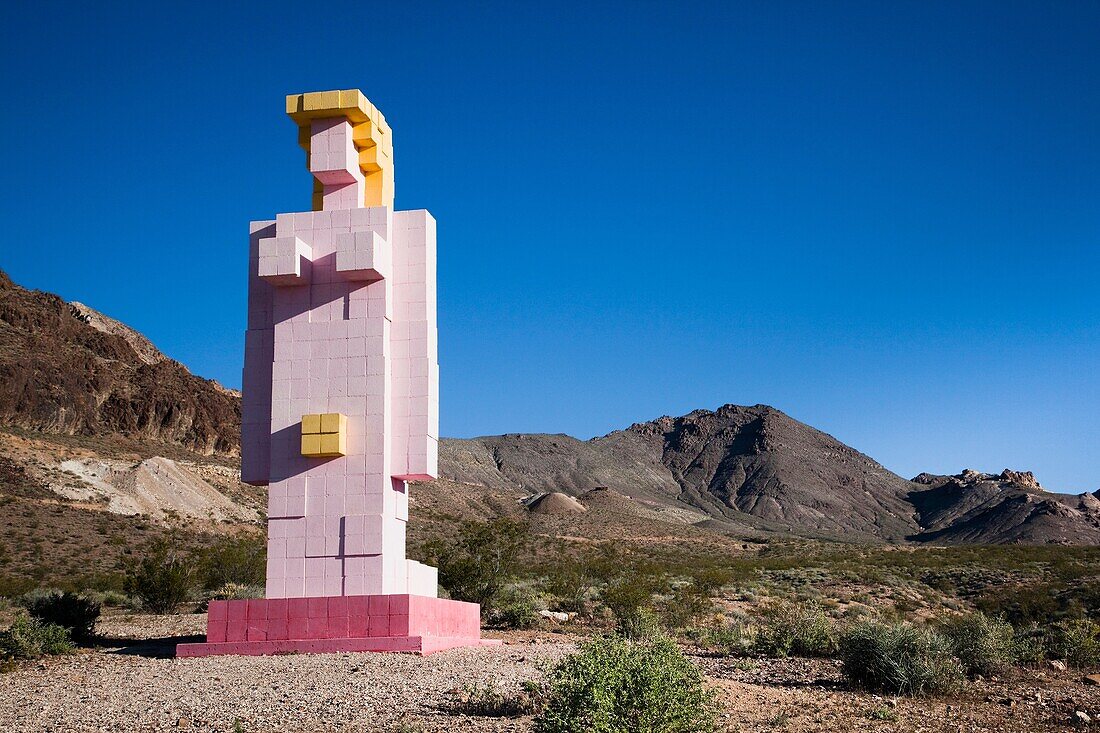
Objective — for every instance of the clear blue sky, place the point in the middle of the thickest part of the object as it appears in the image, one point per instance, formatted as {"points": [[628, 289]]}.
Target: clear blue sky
{"points": [[882, 218]]}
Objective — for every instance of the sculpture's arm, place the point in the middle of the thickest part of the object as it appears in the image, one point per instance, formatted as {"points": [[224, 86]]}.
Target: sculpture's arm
{"points": [[414, 348], [284, 260], [259, 354]]}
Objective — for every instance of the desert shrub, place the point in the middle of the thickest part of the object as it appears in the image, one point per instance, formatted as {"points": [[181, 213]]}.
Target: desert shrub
{"points": [[13, 586], [234, 592], [240, 561], [628, 593], [480, 563], [1077, 642], [614, 685], [76, 613], [570, 582], [1041, 603], [488, 701], [110, 598], [162, 579], [30, 638], [984, 645], [899, 658], [801, 630], [728, 639], [693, 600], [515, 609], [1030, 645]]}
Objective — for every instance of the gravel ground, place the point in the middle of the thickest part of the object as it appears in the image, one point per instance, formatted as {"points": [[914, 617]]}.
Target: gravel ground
{"points": [[135, 687], [810, 695], [132, 683]]}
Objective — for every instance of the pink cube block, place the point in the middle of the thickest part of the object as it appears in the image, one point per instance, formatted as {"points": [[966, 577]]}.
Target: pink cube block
{"points": [[297, 608], [379, 626], [379, 605]]}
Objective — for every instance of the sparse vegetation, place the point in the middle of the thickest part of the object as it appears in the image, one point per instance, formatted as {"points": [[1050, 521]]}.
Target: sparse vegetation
{"points": [[1076, 642], [899, 658], [983, 645], [693, 600], [478, 566], [163, 578], [30, 638], [796, 629], [76, 613], [615, 685], [488, 701], [241, 561], [516, 608], [235, 591], [728, 639]]}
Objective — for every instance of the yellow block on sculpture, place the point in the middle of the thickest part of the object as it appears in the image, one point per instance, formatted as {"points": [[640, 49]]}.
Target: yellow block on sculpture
{"points": [[333, 444], [324, 435], [311, 424], [311, 444], [333, 422]]}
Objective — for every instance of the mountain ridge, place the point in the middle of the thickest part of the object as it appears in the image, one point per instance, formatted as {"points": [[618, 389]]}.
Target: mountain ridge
{"points": [[740, 470]]}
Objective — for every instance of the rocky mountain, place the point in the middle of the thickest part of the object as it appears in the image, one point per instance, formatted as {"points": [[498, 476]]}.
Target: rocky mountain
{"points": [[752, 470], [983, 508], [65, 368], [749, 468]]}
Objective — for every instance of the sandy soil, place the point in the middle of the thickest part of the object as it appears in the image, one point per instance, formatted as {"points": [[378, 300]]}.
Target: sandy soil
{"points": [[133, 684]]}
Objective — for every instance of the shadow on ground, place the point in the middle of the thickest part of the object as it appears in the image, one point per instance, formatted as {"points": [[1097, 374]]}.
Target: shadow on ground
{"points": [[159, 648]]}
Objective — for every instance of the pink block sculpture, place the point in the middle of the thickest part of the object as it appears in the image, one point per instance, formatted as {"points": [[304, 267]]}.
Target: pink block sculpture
{"points": [[341, 322]]}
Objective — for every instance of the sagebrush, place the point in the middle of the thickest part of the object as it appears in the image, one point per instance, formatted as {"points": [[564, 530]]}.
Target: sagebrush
{"points": [[899, 659], [30, 638], [74, 612], [617, 685]]}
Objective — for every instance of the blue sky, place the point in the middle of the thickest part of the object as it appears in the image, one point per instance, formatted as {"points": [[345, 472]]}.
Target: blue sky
{"points": [[881, 218]]}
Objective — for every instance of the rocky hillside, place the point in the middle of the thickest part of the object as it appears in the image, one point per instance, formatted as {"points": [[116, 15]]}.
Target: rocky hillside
{"points": [[755, 469], [750, 468], [66, 369], [984, 508]]}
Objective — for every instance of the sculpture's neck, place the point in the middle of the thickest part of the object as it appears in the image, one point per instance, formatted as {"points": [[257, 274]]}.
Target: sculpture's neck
{"points": [[334, 163]]}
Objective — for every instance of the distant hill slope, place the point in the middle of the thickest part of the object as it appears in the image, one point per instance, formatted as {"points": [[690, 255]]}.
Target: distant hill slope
{"points": [[66, 369], [982, 508], [753, 468], [756, 469]]}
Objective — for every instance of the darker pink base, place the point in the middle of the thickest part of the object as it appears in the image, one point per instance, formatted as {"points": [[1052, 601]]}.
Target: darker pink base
{"points": [[382, 623]]}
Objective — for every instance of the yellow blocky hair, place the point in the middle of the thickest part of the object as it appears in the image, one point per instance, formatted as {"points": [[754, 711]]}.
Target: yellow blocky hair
{"points": [[372, 136]]}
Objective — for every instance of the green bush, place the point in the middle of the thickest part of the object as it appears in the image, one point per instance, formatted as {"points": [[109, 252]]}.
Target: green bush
{"points": [[231, 592], [984, 645], [515, 609], [570, 582], [693, 600], [489, 702], [30, 638], [76, 613], [614, 685], [110, 598], [1077, 642], [1030, 647], [478, 566], [162, 579], [800, 630], [628, 594], [240, 561], [729, 639], [899, 659]]}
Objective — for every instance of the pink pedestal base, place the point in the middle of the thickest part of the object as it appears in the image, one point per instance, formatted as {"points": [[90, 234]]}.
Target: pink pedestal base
{"points": [[384, 623]]}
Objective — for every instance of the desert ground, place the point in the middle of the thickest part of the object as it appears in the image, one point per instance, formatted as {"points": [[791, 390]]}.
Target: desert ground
{"points": [[132, 682]]}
